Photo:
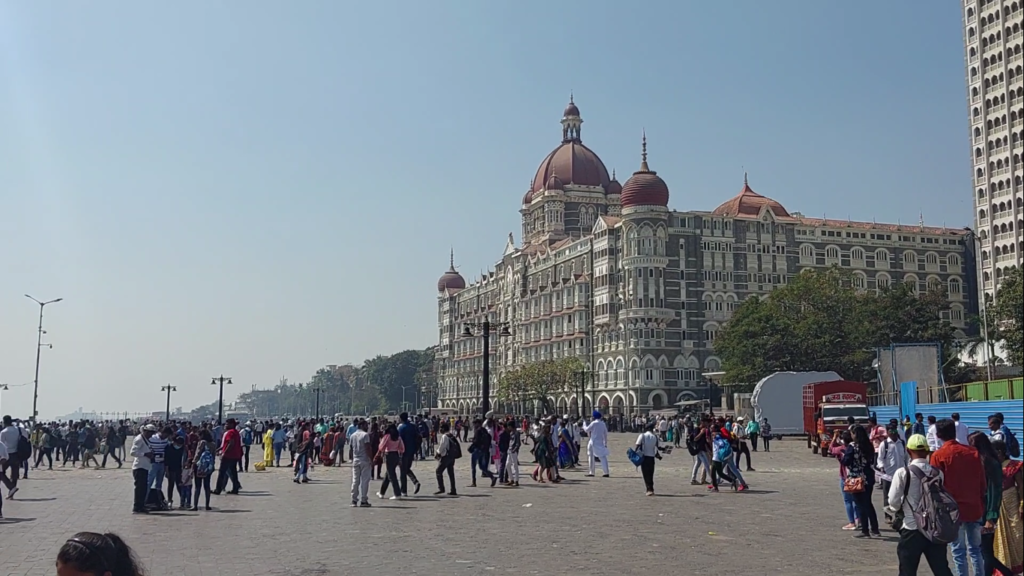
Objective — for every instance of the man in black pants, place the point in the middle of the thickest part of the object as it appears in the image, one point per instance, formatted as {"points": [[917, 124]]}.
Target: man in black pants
{"points": [[410, 435], [140, 467], [905, 496]]}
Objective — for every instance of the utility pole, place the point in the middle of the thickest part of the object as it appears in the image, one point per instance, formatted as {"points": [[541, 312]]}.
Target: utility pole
{"points": [[39, 348], [168, 389], [220, 401]]}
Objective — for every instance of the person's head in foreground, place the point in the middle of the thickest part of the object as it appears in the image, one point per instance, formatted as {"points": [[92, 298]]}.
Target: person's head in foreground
{"points": [[93, 554]]}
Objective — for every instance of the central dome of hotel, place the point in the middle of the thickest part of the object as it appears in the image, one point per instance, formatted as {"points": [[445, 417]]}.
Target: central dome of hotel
{"points": [[571, 163]]}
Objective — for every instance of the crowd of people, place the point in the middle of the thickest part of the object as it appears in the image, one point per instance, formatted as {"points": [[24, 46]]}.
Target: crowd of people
{"points": [[905, 461], [945, 490]]}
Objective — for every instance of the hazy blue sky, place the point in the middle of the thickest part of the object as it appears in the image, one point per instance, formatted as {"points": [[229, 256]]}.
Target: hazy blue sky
{"points": [[261, 188]]}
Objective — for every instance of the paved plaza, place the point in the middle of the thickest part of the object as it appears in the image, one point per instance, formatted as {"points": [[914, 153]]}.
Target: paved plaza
{"points": [[788, 524]]}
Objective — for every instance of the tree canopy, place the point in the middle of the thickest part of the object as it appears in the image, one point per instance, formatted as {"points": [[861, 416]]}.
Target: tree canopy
{"points": [[374, 387], [1008, 311], [539, 382], [821, 322]]}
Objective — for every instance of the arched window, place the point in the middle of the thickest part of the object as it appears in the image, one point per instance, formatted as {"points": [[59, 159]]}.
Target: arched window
{"points": [[832, 253], [881, 258], [857, 254], [955, 286], [909, 258], [860, 281], [882, 280], [952, 260], [911, 280], [807, 254]]}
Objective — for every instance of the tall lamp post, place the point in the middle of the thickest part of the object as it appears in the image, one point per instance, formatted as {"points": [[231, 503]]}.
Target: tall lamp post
{"points": [[317, 389], [220, 401], [404, 403], [485, 328], [168, 389], [39, 348]]}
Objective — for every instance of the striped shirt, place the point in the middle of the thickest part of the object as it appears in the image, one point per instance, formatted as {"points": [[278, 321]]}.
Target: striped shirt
{"points": [[157, 446]]}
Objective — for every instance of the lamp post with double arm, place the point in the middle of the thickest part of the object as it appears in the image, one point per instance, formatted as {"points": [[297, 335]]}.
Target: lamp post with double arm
{"points": [[39, 348], [220, 400], [168, 389], [485, 328]]}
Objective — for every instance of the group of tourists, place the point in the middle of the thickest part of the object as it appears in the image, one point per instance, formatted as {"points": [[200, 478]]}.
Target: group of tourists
{"points": [[945, 490]]}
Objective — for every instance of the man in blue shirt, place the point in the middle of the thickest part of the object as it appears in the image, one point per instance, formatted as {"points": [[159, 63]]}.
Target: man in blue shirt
{"points": [[410, 436]]}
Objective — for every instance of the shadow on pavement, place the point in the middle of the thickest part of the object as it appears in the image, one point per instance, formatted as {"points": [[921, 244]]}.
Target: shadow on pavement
{"points": [[15, 520]]}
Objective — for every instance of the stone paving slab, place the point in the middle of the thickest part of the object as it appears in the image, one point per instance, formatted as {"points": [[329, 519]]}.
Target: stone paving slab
{"points": [[788, 524]]}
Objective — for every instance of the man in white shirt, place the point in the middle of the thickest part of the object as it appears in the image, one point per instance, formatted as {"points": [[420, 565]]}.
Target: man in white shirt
{"points": [[143, 455], [9, 438], [647, 446], [905, 496], [962, 431], [932, 437], [362, 465], [597, 446]]}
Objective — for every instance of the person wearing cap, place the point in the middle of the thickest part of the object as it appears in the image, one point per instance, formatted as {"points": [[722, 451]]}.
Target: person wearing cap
{"points": [[143, 455], [597, 446], [739, 432], [913, 543]]}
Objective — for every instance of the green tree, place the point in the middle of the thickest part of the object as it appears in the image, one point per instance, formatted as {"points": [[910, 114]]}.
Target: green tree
{"points": [[1008, 311], [539, 382], [816, 322]]}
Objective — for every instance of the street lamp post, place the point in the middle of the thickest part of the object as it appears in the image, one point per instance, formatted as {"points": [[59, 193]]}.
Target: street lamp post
{"points": [[39, 348], [317, 390], [168, 389], [404, 403], [220, 401], [485, 329]]}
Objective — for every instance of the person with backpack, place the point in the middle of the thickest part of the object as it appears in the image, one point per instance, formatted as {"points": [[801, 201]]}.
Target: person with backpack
{"points": [[721, 452], [964, 480], [448, 451], [203, 465], [247, 439], [907, 503], [999, 431]]}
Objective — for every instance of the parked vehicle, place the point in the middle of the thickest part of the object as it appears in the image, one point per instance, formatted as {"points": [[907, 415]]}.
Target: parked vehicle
{"points": [[828, 406], [778, 398]]}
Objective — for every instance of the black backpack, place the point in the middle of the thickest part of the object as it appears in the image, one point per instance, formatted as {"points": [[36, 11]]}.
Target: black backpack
{"points": [[24, 451], [454, 448]]}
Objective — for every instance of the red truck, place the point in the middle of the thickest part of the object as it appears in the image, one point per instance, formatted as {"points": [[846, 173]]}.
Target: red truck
{"points": [[827, 406]]}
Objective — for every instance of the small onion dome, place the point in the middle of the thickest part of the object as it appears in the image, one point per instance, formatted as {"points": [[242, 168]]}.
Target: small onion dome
{"points": [[613, 187], [528, 198], [644, 187], [553, 183], [451, 280], [571, 110]]}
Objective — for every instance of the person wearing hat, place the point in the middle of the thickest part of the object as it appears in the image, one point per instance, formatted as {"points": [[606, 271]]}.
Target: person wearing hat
{"points": [[143, 455], [739, 432], [913, 543], [597, 446]]}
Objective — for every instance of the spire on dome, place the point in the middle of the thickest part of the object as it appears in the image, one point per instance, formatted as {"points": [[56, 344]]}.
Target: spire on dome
{"points": [[745, 184], [451, 258], [643, 154]]}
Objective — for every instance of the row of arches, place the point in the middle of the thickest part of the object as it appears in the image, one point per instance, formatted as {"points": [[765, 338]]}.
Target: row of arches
{"points": [[993, 17]]}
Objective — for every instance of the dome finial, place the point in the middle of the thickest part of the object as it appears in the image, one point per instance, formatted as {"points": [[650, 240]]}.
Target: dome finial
{"points": [[613, 173], [745, 179], [451, 258], [570, 97], [643, 154]]}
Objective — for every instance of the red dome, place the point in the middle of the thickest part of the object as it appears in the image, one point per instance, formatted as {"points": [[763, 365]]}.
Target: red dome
{"points": [[574, 163], [644, 187], [614, 187], [553, 183], [528, 197], [451, 280], [749, 203], [571, 110]]}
